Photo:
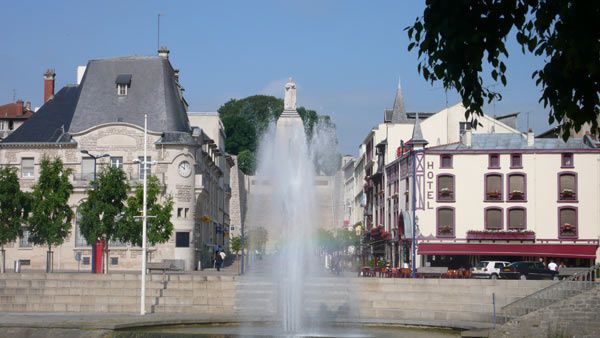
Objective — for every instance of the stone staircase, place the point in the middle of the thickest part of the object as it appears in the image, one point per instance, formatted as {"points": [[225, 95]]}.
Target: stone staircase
{"points": [[114, 293]]}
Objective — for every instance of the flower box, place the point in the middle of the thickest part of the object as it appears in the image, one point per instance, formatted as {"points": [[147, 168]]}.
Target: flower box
{"points": [[567, 229], [493, 195], [567, 194], [516, 195], [517, 235], [445, 229]]}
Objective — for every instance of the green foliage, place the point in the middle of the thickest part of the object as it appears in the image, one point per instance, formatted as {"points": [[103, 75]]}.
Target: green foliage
{"points": [[245, 120], [235, 244], [338, 240], [454, 37], [50, 221], [257, 239], [159, 228], [246, 162], [100, 212], [14, 206]]}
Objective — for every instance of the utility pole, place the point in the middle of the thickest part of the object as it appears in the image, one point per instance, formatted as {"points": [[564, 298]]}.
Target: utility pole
{"points": [[144, 216]]}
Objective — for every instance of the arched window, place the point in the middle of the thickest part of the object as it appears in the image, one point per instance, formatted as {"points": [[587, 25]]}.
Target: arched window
{"points": [[493, 219], [445, 188], [445, 222], [517, 218], [517, 187], [567, 222], [567, 187], [493, 187]]}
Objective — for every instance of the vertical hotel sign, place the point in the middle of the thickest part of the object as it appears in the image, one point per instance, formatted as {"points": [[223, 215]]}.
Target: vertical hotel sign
{"points": [[424, 177]]}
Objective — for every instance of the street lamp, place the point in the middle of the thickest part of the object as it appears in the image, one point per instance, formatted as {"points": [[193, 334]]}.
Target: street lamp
{"points": [[95, 158]]}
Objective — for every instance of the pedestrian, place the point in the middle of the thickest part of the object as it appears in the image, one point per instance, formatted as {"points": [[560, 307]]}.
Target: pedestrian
{"points": [[218, 260], [223, 255], [552, 266], [562, 265]]}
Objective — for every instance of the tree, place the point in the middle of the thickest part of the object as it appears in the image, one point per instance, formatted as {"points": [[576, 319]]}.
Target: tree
{"points": [[14, 209], [453, 37], [247, 162], [159, 223], [50, 221], [257, 239], [101, 211], [236, 244]]}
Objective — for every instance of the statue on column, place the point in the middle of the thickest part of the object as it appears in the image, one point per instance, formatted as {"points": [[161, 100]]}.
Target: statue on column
{"points": [[289, 101]]}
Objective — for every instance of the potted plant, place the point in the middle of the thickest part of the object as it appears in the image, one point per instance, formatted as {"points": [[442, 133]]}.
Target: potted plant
{"points": [[445, 192]]}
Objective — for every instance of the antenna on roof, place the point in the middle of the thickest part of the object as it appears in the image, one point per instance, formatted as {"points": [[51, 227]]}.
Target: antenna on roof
{"points": [[14, 95]]}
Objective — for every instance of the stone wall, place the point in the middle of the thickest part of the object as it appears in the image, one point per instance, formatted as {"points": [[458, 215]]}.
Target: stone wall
{"points": [[578, 316]]}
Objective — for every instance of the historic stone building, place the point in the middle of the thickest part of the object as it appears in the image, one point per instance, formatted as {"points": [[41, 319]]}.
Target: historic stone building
{"points": [[103, 114]]}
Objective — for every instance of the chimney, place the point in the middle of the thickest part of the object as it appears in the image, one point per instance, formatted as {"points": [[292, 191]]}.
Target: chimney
{"points": [[530, 138], [163, 52], [28, 106], [466, 138], [176, 71], [80, 72], [49, 84], [19, 107]]}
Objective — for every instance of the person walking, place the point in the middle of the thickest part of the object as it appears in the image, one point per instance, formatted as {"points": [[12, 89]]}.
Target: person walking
{"points": [[552, 266], [218, 260]]}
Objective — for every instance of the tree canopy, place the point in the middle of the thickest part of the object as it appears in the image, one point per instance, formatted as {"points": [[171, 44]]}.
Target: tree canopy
{"points": [[245, 120], [101, 211], [159, 223], [50, 221], [14, 206], [456, 40]]}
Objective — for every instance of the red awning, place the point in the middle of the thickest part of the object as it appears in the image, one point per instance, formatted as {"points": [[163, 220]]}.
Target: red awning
{"points": [[535, 250]]}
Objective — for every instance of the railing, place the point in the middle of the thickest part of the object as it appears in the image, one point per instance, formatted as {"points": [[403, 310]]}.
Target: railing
{"points": [[568, 287]]}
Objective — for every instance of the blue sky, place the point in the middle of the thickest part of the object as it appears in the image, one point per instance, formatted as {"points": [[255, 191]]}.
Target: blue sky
{"points": [[346, 56]]}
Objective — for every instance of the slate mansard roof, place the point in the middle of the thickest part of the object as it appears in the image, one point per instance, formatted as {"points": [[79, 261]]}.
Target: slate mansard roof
{"points": [[516, 142], [153, 89]]}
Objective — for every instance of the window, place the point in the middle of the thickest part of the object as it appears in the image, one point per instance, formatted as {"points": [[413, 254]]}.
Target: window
{"points": [[567, 187], [2, 125], [24, 240], [79, 240], [493, 187], [122, 89], [116, 162], [446, 161], [179, 212], [445, 186], [182, 239], [11, 125], [144, 164], [493, 219], [517, 187], [445, 222], [464, 126], [516, 161], [185, 212], [114, 261], [567, 160], [567, 222], [87, 169], [517, 219], [86, 260], [494, 161], [27, 167]]}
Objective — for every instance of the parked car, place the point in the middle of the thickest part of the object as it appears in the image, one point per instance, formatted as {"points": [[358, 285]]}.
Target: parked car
{"points": [[527, 270], [488, 269]]}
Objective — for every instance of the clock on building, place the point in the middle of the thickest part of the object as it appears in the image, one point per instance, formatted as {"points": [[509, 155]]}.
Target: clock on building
{"points": [[184, 168]]}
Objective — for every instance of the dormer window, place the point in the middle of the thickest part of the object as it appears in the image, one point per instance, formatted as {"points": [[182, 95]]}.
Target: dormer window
{"points": [[123, 82]]}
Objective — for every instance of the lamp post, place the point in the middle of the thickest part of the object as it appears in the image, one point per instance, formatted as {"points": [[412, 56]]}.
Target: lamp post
{"points": [[95, 158]]}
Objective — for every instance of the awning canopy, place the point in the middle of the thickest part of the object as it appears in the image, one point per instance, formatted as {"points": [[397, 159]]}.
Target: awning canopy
{"points": [[492, 249]]}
